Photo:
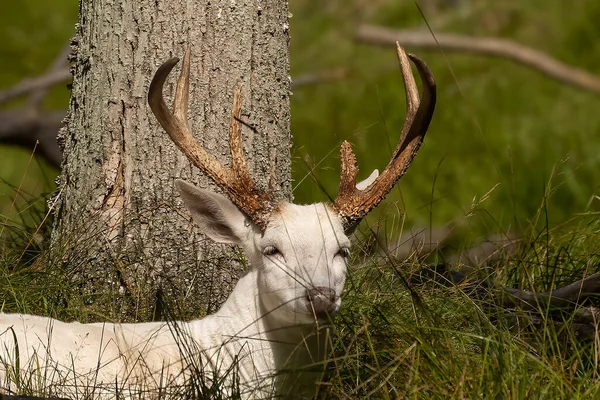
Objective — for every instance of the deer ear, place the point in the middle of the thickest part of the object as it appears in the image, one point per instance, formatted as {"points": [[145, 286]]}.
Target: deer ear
{"points": [[215, 214]]}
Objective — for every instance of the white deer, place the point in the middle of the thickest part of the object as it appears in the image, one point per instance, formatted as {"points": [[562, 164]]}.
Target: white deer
{"points": [[265, 340]]}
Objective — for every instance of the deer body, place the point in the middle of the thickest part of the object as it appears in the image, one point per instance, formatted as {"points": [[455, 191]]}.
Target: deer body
{"points": [[263, 328], [269, 338]]}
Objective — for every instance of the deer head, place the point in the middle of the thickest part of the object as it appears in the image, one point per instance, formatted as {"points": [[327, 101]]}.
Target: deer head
{"points": [[299, 251]]}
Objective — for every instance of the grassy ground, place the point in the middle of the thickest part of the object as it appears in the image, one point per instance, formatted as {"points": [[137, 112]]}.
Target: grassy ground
{"points": [[396, 341], [392, 339], [508, 150]]}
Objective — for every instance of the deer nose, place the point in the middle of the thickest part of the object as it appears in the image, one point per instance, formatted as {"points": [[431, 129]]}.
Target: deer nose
{"points": [[321, 301]]}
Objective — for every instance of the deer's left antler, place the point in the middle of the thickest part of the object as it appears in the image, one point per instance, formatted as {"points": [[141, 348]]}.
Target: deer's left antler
{"points": [[353, 203]]}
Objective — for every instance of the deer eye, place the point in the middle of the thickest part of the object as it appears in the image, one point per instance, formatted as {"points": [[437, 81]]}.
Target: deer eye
{"points": [[344, 252], [271, 251]]}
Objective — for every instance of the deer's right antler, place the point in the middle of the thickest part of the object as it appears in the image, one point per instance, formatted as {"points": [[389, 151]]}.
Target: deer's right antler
{"points": [[235, 181], [354, 203]]}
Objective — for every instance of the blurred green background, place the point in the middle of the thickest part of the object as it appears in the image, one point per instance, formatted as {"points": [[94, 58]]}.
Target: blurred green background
{"points": [[500, 127]]}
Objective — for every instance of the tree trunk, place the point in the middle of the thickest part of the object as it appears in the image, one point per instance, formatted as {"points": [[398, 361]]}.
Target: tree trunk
{"points": [[120, 225]]}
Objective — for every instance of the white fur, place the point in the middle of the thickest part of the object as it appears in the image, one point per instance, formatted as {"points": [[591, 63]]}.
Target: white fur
{"points": [[266, 330]]}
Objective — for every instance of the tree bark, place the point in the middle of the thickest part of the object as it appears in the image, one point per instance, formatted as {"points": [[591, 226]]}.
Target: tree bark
{"points": [[120, 226]]}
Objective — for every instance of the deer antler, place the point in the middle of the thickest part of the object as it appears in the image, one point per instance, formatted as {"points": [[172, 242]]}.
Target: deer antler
{"points": [[235, 181], [353, 203]]}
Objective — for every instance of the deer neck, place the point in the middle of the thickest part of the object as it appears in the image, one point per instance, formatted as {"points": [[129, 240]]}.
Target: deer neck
{"points": [[297, 352], [244, 331]]}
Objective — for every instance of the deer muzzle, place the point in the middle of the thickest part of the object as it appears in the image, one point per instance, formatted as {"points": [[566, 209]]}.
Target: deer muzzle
{"points": [[321, 301]]}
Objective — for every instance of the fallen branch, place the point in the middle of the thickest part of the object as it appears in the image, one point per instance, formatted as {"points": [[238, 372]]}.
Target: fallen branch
{"points": [[29, 125], [569, 297], [417, 242], [310, 79], [56, 70], [24, 126], [28, 85], [422, 242], [564, 306], [494, 47]]}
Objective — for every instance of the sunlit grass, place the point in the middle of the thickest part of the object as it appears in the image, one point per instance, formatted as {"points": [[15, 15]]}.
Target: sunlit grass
{"points": [[394, 339], [508, 151]]}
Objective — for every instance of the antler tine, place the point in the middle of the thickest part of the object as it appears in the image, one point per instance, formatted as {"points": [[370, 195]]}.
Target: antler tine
{"points": [[177, 128], [182, 90], [238, 161], [353, 204], [412, 96], [235, 182]]}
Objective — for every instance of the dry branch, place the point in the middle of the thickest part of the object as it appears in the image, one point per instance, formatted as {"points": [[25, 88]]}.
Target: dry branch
{"points": [[565, 307], [567, 297], [310, 79], [28, 85], [29, 124], [56, 70], [24, 126], [487, 46], [421, 242]]}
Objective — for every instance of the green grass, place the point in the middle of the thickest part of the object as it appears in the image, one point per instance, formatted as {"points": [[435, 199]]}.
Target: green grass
{"points": [[394, 340], [508, 150], [434, 342]]}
